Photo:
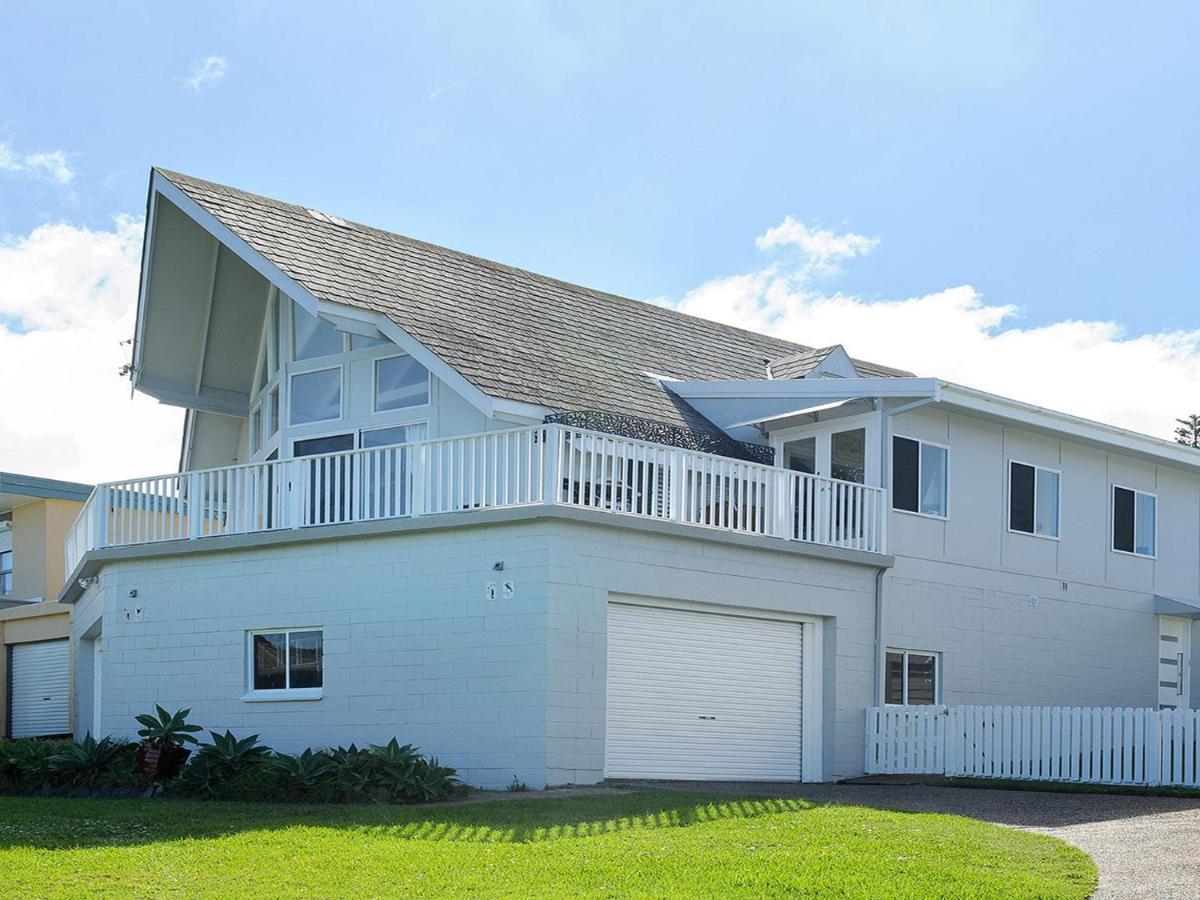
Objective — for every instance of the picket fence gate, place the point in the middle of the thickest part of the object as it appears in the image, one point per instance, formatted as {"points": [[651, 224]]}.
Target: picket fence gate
{"points": [[1037, 743]]}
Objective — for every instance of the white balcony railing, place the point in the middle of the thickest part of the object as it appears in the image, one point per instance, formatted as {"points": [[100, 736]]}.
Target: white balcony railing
{"points": [[544, 464]]}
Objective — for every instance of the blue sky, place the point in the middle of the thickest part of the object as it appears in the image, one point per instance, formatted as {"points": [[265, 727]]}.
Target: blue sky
{"points": [[1041, 154]]}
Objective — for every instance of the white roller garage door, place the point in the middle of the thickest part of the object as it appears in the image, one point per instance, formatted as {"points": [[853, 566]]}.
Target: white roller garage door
{"points": [[702, 695], [39, 688]]}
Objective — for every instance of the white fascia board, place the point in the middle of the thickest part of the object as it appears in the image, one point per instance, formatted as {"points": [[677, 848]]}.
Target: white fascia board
{"points": [[1085, 430], [802, 411], [143, 284], [230, 403], [159, 184], [519, 411], [805, 388]]}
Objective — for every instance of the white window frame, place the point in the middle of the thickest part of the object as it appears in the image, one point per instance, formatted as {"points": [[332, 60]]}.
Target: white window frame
{"points": [[325, 367], [285, 693], [891, 463], [937, 675], [1008, 499], [375, 385], [1112, 521]]}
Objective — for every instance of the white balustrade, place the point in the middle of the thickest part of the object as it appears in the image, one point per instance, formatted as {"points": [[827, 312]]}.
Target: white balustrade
{"points": [[544, 464]]}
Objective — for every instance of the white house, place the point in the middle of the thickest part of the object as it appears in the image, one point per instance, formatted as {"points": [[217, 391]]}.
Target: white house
{"points": [[548, 532]]}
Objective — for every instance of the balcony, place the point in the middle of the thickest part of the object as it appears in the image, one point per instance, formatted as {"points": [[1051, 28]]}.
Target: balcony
{"points": [[537, 465]]}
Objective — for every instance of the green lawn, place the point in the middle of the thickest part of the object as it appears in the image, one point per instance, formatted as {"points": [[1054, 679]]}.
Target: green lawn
{"points": [[649, 843]]}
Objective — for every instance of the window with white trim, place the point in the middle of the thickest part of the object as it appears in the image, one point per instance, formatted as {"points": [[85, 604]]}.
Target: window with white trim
{"points": [[1033, 499], [400, 382], [1135, 522], [286, 660], [911, 678], [316, 396], [920, 477]]}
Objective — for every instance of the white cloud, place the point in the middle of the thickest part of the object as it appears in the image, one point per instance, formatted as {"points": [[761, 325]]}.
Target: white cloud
{"points": [[52, 165], [211, 70], [823, 249], [1088, 368], [67, 300]]}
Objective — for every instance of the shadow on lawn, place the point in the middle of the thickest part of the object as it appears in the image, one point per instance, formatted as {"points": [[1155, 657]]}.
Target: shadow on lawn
{"points": [[67, 824]]}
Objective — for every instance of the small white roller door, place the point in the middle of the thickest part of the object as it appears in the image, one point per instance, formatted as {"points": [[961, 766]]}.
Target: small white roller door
{"points": [[699, 695], [39, 688]]}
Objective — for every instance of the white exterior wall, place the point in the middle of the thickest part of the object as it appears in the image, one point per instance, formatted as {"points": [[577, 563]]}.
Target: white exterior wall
{"points": [[590, 562], [962, 587], [497, 688]]}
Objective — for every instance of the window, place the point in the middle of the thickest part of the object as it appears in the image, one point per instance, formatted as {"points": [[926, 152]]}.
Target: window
{"points": [[400, 381], [273, 411], [287, 660], [255, 429], [1135, 522], [312, 337], [316, 396], [6, 572], [920, 476], [1033, 498], [911, 678], [362, 342]]}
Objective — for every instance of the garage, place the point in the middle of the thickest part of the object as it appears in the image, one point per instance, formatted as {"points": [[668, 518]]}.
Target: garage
{"points": [[703, 695], [39, 688]]}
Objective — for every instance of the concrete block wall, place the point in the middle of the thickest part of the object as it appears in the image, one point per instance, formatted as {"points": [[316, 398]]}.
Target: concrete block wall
{"points": [[412, 646], [1083, 646], [590, 563]]}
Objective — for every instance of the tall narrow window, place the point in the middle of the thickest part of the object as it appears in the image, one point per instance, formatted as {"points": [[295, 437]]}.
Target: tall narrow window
{"points": [[920, 477], [1135, 522], [1033, 499]]}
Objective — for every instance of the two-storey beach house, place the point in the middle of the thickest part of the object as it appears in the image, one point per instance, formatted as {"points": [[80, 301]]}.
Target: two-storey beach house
{"points": [[552, 533]]}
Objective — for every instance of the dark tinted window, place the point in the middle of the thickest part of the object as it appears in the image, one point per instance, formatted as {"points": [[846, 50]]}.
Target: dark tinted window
{"points": [[270, 662], [1020, 498], [894, 679], [1122, 519], [906, 460], [922, 684]]}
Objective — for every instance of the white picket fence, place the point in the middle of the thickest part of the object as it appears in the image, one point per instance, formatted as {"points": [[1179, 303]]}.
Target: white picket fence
{"points": [[1037, 743]]}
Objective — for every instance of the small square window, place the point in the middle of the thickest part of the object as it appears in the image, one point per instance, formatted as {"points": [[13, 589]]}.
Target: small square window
{"points": [[400, 382], [911, 678], [286, 660], [316, 396], [1033, 499]]}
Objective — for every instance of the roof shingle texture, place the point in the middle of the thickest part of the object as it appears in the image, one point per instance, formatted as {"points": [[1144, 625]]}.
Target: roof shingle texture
{"points": [[512, 333]]}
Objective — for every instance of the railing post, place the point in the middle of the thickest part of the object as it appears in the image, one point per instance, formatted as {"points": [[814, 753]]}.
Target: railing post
{"points": [[784, 495], [881, 505], [419, 465], [678, 475], [195, 521], [294, 474], [101, 499], [551, 452]]}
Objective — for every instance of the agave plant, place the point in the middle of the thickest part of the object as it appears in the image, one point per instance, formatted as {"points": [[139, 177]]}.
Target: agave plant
{"points": [[353, 771], [228, 755], [82, 762], [304, 770], [165, 730], [29, 758], [429, 780]]}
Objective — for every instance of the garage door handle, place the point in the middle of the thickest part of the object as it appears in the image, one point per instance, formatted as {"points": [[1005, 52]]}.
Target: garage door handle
{"points": [[709, 718]]}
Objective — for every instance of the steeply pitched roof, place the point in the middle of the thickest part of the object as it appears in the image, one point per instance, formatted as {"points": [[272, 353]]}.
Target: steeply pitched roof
{"points": [[512, 333]]}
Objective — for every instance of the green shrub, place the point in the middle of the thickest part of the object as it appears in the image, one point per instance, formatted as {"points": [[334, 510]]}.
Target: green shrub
{"points": [[25, 762], [164, 730], [304, 771], [88, 762]]}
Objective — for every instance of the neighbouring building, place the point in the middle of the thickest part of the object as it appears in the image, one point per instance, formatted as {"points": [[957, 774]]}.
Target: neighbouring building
{"points": [[550, 533], [35, 630]]}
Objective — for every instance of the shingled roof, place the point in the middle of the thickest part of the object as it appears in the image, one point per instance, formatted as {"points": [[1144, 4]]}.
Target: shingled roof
{"points": [[512, 333]]}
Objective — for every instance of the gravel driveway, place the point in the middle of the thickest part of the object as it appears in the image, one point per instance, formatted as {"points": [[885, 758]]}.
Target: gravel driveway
{"points": [[1143, 846]]}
